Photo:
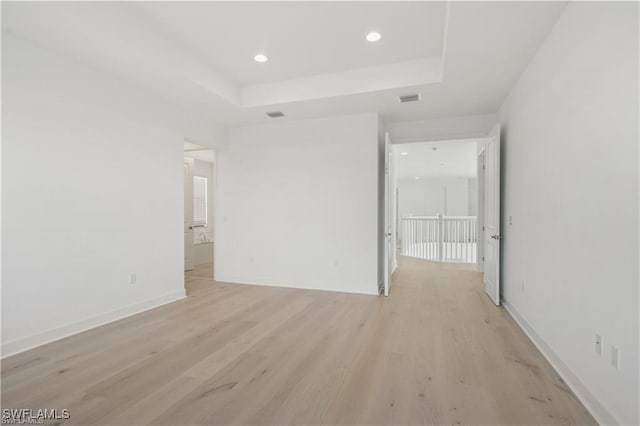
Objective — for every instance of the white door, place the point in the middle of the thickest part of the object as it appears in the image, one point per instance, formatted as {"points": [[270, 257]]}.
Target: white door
{"points": [[480, 229], [188, 214], [388, 212], [492, 215]]}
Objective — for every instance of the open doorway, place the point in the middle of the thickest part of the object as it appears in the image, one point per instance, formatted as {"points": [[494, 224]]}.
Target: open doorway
{"points": [[199, 184], [437, 201], [447, 205]]}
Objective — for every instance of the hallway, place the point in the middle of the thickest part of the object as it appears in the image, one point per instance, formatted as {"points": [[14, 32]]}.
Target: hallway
{"points": [[198, 278], [437, 351]]}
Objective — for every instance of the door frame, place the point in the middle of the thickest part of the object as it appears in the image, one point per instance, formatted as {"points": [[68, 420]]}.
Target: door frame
{"points": [[388, 243], [187, 214]]}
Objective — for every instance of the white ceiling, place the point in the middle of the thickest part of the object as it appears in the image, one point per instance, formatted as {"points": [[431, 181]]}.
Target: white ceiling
{"points": [[462, 56], [301, 38], [455, 158]]}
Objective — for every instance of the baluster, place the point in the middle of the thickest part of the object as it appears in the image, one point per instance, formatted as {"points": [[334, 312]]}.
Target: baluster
{"points": [[414, 233], [440, 239], [404, 237], [474, 246], [452, 239], [420, 222], [454, 246], [449, 244], [458, 253], [465, 232], [470, 244], [449, 252], [418, 225], [462, 239], [470, 240], [426, 239], [413, 237], [431, 238], [472, 229], [437, 241], [410, 237], [457, 238], [425, 232]]}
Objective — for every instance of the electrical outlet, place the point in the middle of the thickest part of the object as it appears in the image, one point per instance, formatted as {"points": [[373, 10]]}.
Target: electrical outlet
{"points": [[510, 220], [132, 278], [523, 285], [615, 357], [599, 344]]}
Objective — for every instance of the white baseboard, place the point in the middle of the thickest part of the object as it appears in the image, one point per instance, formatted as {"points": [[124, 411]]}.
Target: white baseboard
{"points": [[602, 415], [310, 285], [22, 344]]}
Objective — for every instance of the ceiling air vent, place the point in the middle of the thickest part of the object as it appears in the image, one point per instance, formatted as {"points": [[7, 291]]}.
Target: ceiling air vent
{"points": [[412, 97], [275, 114]]}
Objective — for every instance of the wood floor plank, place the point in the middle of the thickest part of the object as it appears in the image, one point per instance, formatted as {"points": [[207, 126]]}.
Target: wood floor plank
{"points": [[436, 351]]}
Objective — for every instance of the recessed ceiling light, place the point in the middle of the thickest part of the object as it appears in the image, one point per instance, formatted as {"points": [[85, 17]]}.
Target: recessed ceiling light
{"points": [[404, 153], [260, 58], [417, 177], [373, 36]]}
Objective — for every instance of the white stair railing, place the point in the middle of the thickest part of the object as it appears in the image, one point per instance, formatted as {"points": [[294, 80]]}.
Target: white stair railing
{"points": [[440, 238]]}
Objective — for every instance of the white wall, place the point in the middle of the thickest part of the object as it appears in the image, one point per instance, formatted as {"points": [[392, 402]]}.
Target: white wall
{"points": [[457, 197], [472, 192], [570, 182], [91, 192], [297, 204], [428, 197]]}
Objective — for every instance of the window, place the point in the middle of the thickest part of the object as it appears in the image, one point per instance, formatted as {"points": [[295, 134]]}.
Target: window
{"points": [[199, 201]]}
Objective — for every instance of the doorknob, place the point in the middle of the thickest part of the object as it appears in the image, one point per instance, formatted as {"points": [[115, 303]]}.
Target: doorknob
{"points": [[497, 237]]}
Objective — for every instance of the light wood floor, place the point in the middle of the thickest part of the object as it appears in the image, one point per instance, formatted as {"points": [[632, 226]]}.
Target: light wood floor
{"points": [[435, 352], [200, 277]]}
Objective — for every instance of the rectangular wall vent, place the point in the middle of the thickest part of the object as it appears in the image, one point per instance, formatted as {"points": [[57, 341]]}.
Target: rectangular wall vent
{"points": [[275, 114], [412, 97]]}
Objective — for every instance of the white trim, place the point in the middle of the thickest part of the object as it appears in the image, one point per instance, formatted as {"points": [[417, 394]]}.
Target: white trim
{"points": [[602, 415], [25, 343], [439, 137]]}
